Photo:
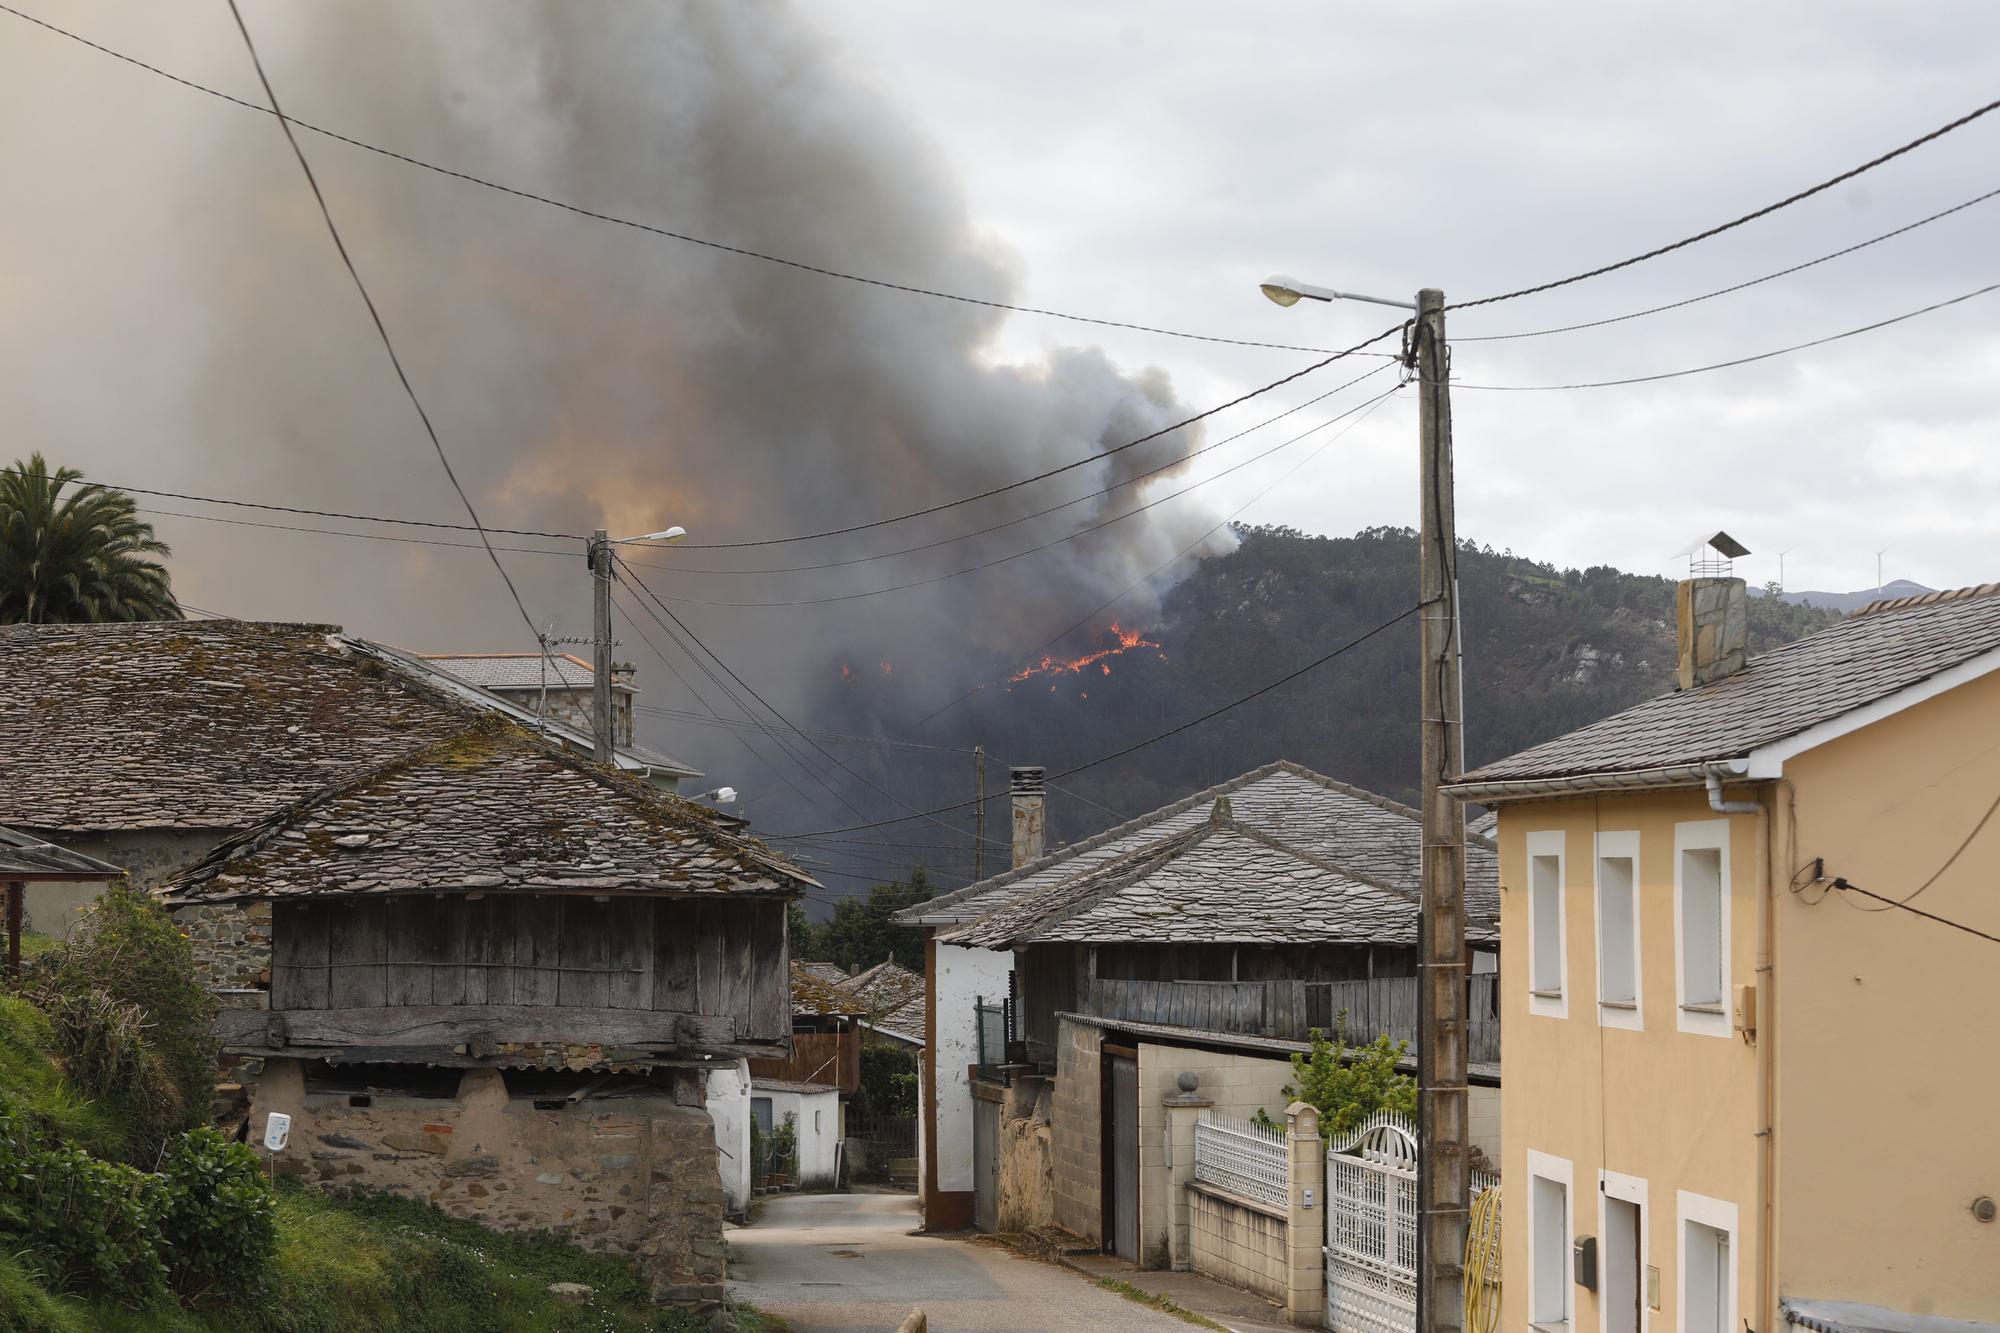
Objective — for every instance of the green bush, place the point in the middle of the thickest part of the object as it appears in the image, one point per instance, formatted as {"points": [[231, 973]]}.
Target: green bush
{"points": [[130, 1019], [46, 1106], [86, 1222], [1346, 1084], [217, 1218]]}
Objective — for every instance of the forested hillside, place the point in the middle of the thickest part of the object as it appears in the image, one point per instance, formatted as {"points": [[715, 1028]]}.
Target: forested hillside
{"points": [[1546, 650]]}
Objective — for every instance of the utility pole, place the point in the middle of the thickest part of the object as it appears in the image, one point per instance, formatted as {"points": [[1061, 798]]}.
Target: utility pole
{"points": [[1442, 1178], [978, 813], [600, 638]]}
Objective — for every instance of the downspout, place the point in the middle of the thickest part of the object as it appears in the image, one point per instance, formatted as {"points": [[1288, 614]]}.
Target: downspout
{"points": [[1713, 781], [1762, 1034]]}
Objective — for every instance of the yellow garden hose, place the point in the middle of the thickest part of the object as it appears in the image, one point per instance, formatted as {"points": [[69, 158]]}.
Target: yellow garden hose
{"points": [[1482, 1264]]}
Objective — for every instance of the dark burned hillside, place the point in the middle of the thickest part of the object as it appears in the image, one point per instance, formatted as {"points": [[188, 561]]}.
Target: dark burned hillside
{"points": [[1546, 650]]}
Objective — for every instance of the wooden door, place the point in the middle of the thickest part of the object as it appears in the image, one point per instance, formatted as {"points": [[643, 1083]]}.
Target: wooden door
{"points": [[986, 1165], [1121, 1155]]}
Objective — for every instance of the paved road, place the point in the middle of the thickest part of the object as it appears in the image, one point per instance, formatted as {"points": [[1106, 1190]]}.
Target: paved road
{"points": [[846, 1261]]}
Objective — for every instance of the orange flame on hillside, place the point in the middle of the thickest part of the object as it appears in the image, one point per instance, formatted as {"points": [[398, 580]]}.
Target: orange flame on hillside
{"points": [[1051, 665]]}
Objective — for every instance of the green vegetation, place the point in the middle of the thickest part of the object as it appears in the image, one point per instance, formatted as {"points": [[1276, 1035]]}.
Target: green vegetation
{"points": [[861, 932], [1347, 1084], [888, 1080], [1156, 1301], [73, 553]]}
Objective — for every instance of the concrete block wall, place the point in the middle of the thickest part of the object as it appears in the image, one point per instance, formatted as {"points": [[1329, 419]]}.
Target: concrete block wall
{"points": [[1237, 1243], [1232, 1085], [1077, 1122]]}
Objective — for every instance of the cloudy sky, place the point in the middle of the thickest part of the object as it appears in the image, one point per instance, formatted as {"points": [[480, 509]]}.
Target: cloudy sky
{"points": [[172, 314]]}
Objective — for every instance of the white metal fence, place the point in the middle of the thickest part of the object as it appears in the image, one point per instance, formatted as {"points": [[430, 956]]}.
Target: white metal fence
{"points": [[1245, 1159], [1371, 1226]]}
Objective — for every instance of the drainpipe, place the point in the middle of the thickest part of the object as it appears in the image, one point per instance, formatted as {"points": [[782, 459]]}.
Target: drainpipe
{"points": [[1713, 781]]}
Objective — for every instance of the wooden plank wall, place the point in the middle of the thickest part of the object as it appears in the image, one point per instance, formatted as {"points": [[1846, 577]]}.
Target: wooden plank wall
{"points": [[688, 956], [1388, 1005], [832, 1059]]}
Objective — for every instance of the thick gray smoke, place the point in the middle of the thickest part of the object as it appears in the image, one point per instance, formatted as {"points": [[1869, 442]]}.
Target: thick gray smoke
{"points": [[584, 373]]}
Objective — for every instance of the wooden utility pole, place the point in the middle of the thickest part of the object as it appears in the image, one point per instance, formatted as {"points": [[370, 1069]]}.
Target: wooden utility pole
{"points": [[978, 813], [1442, 1176], [600, 641]]}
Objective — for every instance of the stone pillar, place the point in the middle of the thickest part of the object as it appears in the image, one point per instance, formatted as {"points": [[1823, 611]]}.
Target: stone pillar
{"points": [[1184, 1108], [1305, 1231]]}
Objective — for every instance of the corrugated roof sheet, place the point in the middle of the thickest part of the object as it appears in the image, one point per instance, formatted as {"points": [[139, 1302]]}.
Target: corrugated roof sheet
{"points": [[1358, 832], [1881, 649], [519, 671], [492, 808]]}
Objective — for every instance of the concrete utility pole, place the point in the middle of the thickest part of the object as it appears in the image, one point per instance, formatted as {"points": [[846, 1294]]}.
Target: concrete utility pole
{"points": [[600, 641], [1442, 1178], [978, 813]]}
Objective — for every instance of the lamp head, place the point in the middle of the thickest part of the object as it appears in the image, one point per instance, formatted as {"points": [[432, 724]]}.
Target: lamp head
{"points": [[1281, 290], [672, 534], [722, 795]]}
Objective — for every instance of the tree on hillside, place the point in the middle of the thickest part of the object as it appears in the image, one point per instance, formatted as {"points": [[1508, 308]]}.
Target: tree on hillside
{"points": [[76, 553], [861, 932]]}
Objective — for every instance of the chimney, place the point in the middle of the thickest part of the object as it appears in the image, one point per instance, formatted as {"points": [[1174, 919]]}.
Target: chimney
{"points": [[1030, 816], [1712, 630]]}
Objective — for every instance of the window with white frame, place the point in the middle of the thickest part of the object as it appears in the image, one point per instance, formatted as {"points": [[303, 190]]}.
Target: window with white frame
{"points": [[1548, 931], [1618, 929], [1549, 1237], [1708, 1264], [1701, 925]]}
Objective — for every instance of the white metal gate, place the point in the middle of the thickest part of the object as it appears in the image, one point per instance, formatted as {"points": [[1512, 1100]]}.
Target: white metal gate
{"points": [[1371, 1228]]}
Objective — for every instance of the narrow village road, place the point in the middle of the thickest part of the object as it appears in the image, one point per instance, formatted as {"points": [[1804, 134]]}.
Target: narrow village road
{"points": [[846, 1261]]}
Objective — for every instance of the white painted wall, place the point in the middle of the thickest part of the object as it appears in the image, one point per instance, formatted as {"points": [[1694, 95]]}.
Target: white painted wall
{"points": [[819, 1131], [729, 1108], [963, 975]]}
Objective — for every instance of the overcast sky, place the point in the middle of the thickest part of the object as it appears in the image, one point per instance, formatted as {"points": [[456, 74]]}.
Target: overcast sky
{"points": [[171, 313]]}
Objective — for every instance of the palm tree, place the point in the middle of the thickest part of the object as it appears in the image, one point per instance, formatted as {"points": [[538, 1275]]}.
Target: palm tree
{"points": [[78, 559]]}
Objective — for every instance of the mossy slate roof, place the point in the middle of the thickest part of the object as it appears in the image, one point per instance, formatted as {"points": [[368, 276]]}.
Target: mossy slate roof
{"points": [[493, 809], [1365, 838]]}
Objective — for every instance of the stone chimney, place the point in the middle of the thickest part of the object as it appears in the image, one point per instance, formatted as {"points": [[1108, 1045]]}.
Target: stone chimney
{"points": [[1030, 814], [1712, 628]]}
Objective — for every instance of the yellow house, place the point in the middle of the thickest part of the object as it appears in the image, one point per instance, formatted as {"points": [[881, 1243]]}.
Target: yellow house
{"points": [[1750, 1036]]}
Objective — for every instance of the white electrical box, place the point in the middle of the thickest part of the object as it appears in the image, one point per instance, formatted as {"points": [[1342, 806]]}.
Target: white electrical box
{"points": [[277, 1131], [1307, 1201]]}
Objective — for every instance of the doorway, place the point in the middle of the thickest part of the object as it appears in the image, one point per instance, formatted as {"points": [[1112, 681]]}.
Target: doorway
{"points": [[1121, 1152]]}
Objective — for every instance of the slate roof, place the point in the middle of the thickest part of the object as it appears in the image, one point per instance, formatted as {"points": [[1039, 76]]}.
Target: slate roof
{"points": [[26, 858], [519, 671], [194, 724], [1218, 882], [1854, 1317], [1880, 649], [893, 996], [492, 808], [1365, 836], [818, 994]]}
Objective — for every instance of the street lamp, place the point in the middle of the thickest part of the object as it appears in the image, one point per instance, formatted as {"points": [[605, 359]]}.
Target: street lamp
{"points": [[1288, 291], [721, 796], [1442, 1178], [599, 559]]}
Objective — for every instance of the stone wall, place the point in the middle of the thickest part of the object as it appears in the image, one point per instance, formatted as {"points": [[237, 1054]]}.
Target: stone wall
{"points": [[1027, 1155], [1077, 1121], [636, 1176]]}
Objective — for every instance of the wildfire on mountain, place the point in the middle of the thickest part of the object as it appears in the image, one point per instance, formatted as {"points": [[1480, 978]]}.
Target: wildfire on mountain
{"points": [[1124, 641]]}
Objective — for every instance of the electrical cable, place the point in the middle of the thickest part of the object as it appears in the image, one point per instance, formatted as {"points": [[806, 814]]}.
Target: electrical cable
{"points": [[1033, 653], [1765, 211], [1736, 287], [828, 755], [1939, 873], [1133, 480], [683, 715], [1032, 550], [1209, 716], [1839, 883], [741, 251], [1738, 361], [381, 329]]}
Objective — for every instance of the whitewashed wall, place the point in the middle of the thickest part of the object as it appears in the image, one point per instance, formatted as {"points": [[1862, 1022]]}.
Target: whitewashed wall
{"points": [[819, 1131], [963, 975], [729, 1107]]}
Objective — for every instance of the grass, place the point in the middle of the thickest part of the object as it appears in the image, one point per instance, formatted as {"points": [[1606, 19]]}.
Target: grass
{"points": [[1164, 1304]]}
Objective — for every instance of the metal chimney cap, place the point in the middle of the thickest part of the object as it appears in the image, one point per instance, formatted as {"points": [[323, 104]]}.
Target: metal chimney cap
{"points": [[1027, 781]]}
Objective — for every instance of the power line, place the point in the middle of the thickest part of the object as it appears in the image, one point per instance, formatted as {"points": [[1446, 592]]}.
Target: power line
{"points": [[1738, 361], [1209, 716], [832, 758], [1133, 480], [381, 329], [1032, 550], [1765, 211], [1737, 287], [740, 251], [1915, 911], [1949, 861], [1170, 561], [681, 714]]}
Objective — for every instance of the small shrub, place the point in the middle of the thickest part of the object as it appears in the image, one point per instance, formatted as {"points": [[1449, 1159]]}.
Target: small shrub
{"points": [[131, 1019], [1346, 1084], [217, 1219], [88, 1223]]}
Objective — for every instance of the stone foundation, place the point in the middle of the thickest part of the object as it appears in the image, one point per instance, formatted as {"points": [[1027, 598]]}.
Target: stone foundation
{"points": [[636, 1176]]}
